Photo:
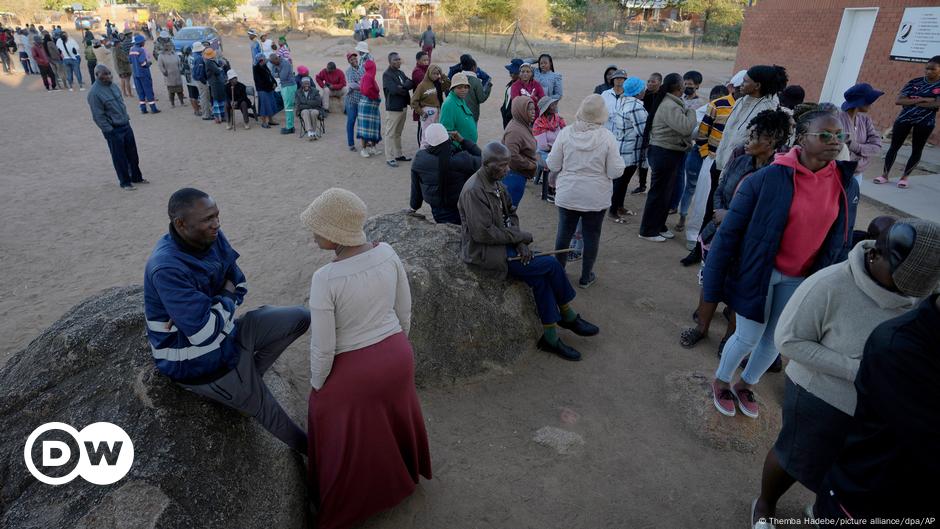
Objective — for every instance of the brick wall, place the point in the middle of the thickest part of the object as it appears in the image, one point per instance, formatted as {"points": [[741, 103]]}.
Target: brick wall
{"points": [[800, 35]]}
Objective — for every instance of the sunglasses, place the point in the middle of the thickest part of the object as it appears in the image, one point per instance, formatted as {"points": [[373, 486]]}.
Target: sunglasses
{"points": [[829, 137]]}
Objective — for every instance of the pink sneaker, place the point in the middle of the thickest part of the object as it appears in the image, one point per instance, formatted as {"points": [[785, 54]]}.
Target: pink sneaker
{"points": [[746, 400], [723, 399]]}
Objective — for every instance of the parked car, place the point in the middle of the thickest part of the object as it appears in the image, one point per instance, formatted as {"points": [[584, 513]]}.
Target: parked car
{"points": [[188, 36], [87, 22]]}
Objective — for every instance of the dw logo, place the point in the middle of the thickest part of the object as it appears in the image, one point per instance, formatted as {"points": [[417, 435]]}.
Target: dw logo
{"points": [[105, 453]]}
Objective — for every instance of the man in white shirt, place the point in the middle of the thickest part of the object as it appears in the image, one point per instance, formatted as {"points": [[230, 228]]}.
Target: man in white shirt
{"points": [[71, 60]]}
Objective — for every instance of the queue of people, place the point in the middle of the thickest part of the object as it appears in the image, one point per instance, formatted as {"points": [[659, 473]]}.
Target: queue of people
{"points": [[771, 191]]}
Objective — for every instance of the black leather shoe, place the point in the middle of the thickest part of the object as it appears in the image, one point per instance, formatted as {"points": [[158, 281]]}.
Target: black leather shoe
{"points": [[560, 349], [403, 159], [579, 326]]}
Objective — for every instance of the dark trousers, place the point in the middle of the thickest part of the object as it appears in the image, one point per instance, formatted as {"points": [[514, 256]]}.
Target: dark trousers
{"points": [[48, 76], [899, 133], [715, 176], [263, 334], [591, 223], [123, 149], [446, 215], [548, 282], [241, 105], [91, 70], [664, 164], [416, 199], [620, 189]]}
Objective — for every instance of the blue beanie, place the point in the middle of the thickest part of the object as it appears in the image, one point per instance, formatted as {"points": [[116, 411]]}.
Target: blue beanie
{"points": [[139, 39], [633, 86]]}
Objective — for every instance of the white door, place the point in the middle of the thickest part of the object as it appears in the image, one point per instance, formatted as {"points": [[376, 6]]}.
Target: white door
{"points": [[848, 53]]}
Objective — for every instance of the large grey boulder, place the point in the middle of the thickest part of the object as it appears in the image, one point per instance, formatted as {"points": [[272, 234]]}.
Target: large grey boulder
{"points": [[197, 463], [464, 322]]}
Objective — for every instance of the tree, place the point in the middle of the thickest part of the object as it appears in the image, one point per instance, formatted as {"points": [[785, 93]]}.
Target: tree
{"points": [[221, 7], [722, 12]]}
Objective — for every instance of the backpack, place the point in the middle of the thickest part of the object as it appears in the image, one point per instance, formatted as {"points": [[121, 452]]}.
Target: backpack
{"points": [[199, 70]]}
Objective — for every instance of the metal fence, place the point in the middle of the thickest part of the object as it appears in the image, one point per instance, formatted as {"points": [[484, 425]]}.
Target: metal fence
{"points": [[622, 41]]}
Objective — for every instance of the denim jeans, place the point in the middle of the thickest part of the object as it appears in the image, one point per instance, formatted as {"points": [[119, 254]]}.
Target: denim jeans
{"points": [[515, 184], [757, 338], [679, 188], [591, 223], [548, 282], [73, 67], [352, 112], [693, 165]]}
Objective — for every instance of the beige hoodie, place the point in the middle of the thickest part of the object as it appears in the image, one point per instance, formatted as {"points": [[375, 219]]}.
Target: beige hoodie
{"points": [[825, 325]]}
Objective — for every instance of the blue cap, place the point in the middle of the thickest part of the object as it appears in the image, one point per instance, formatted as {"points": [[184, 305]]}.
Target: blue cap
{"points": [[633, 86], [139, 39], [860, 95], [514, 65]]}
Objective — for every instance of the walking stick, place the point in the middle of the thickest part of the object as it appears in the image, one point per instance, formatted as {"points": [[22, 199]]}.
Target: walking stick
{"points": [[536, 254]]}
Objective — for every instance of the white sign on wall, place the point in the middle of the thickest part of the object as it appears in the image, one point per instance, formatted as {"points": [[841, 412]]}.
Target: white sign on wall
{"points": [[918, 37]]}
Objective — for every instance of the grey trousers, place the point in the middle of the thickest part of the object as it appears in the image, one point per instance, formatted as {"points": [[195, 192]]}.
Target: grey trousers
{"points": [[261, 336], [205, 106]]}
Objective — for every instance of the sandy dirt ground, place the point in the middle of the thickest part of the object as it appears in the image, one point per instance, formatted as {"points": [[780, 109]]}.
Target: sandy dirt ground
{"points": [[67, 231]]}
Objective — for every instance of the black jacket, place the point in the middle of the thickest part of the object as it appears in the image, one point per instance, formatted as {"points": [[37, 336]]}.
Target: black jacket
{"points": [[237, 93], [444, 192], [397, 88], [895, 433], [308, 101], [264, 81]]}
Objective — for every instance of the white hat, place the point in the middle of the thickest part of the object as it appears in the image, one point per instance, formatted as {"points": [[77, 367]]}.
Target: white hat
{"points": [[435, 134], [197, 47], [338, 216], [459, 79], [362, 47], [164, 34], [231, 74], [738, 79]]}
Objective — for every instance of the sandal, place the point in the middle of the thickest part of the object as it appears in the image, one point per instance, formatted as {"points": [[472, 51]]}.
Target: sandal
{"points": [[619, 220], [880, 180], [902, 183], [689, 337]]}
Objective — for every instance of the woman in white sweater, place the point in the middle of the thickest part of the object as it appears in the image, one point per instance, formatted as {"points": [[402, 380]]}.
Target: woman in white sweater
{"points": [[586, 158], [367, 439], [823, 331]]}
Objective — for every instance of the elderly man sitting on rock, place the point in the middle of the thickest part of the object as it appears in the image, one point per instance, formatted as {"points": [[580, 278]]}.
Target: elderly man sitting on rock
{"points": [[192, 287], [492, 240]]}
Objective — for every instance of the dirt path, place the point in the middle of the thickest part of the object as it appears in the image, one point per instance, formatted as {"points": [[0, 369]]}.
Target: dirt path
{"points": [[66, 231]]}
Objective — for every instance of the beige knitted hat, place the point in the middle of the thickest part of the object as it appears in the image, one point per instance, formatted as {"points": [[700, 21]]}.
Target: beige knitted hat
{"points": [[338, 216], [918, 275], [459, 79], [593, 110]]}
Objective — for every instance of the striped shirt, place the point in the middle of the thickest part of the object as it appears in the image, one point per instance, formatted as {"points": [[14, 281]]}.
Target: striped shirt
{"points": [[712, 126], [626, 121]]}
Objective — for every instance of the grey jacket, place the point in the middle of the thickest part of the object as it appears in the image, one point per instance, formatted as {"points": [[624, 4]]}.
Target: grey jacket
{"points": [[107, 106], [673, 125], [488, 224], [825, 325]]}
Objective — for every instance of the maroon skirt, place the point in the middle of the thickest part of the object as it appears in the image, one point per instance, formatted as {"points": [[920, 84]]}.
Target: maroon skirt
{"points": [[367, 440]]}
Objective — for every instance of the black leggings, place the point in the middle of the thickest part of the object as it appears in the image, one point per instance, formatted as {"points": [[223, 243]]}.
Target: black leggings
{"points": [[899, 133], [620, 190]]}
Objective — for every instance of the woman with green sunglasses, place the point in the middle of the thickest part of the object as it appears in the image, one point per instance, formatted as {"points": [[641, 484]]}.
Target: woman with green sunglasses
{"points": [[786, 221]]}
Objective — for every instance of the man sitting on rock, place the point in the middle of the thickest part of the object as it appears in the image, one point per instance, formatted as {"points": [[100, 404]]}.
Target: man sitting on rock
{"points": [[492, 239], [192, 287]]}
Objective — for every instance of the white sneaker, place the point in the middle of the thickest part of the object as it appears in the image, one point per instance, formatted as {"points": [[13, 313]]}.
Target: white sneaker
{"points": [[71, 89], [668, 234], [82, 89], [363, 153], [373, 151], [654, 238]]}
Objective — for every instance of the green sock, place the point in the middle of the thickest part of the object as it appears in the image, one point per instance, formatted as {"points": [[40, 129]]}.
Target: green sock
{"points": [[567, 313], [550, 333]]}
